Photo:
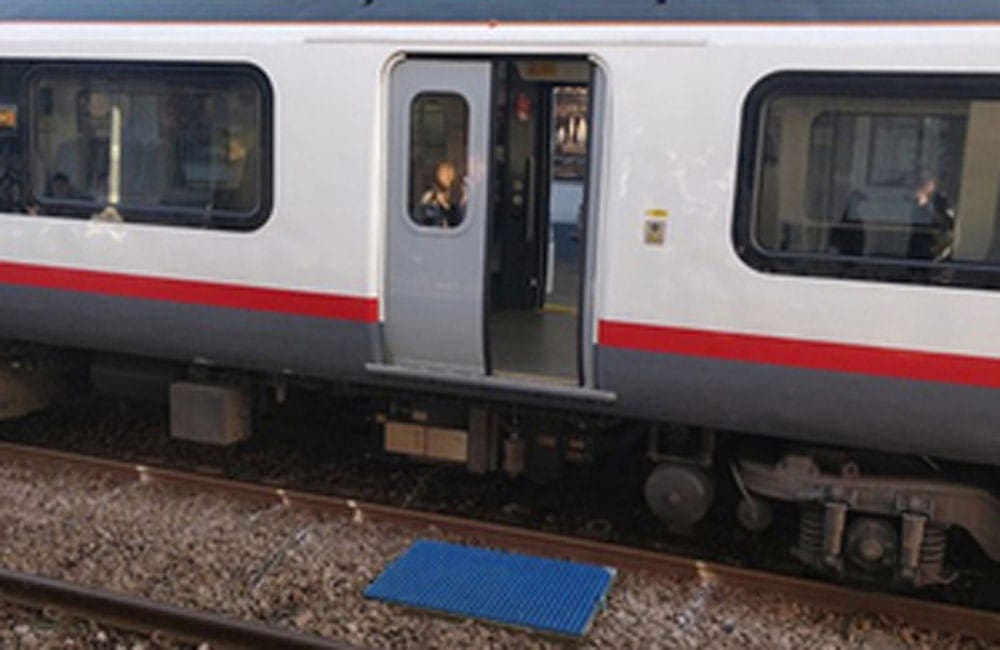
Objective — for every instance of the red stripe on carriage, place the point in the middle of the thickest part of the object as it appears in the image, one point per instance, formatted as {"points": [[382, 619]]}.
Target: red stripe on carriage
{"points": [[815, 355], [195, 292]]}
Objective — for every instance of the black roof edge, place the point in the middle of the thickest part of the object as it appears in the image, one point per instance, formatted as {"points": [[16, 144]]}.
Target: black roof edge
{"points": [[791, 11]]}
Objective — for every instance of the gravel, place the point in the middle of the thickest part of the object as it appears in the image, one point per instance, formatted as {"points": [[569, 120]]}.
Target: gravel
{"points": [[328, 444], [307, 571], [293, 448], [21, 627]]}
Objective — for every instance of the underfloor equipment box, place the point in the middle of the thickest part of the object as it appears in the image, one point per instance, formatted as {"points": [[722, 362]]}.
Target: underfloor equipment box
{"points": [[215, 414]]}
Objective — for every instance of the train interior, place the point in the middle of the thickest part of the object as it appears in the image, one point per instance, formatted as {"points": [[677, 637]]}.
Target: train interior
{"points": [[843, 176], [540, 151], [154, 144]]}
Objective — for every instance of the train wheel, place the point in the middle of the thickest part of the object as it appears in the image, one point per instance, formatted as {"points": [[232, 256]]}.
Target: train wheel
{"points": [[679, 495], [754, 514]]}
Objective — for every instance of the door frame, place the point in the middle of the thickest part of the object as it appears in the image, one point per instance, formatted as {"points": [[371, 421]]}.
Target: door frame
{"points": [[589, 302]]}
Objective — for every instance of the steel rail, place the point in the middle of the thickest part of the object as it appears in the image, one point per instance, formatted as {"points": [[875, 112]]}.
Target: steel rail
{"points": [[164, 623], [919, 613]]}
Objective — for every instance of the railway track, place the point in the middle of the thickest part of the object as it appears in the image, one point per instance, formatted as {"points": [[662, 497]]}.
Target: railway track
{"points": [[165, 624], [920, 613]]}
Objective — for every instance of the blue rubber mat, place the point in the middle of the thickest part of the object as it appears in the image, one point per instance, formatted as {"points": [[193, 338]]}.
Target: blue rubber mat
{"points": [[540, 594]]}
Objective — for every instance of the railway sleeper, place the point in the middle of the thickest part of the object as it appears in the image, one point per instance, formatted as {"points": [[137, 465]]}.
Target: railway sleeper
{"points": [[873, 523]]}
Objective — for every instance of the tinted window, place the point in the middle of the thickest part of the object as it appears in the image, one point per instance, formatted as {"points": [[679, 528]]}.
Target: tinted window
{"points": [[882, 178], [439, 125], [179, 145]]}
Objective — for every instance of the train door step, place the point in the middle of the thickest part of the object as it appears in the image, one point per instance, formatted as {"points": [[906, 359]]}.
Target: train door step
{"points": [[549, 596], [513, 384]]}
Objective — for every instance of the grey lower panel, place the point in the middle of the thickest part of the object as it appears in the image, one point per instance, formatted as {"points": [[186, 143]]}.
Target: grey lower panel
{"points": [[256, 340], [894, 415]]}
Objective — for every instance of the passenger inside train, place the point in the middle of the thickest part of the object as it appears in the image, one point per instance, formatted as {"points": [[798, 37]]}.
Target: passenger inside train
{"points": [[439, 124], [878, 177], [159, 146], [931, 207], [443, 204]]}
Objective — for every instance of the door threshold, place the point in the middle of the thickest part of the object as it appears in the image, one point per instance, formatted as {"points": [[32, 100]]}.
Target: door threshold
{"points": [[533, 378], [533, 384]]}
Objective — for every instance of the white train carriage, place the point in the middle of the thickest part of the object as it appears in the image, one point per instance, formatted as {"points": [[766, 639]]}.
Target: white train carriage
{"points": [[788, 217]]}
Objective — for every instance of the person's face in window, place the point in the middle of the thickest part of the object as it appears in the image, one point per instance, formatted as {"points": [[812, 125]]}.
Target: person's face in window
{"points": [[445, 175], [926, 187], [237, 151]]}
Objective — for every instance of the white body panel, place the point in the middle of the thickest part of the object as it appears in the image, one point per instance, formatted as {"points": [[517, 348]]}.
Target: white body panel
{"points": [[675, 96]]}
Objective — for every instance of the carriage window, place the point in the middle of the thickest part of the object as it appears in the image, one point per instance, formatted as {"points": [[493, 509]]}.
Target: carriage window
{"points": [[439, 126], [167, 144], [876, 178]]}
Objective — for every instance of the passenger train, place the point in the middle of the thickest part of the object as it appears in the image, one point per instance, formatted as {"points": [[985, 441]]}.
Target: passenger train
{"points": [[705, 222]]}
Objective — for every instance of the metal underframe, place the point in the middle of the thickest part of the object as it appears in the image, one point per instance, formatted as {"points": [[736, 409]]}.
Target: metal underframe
{"points": [[798, 479]]}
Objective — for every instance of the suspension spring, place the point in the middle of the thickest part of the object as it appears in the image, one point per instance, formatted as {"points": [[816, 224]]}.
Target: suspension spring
{"points": [[932, 552], [810, 546]]}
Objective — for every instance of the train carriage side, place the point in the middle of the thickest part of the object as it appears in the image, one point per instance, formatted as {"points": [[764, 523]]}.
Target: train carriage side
{"points": [[787, 231], [797, 286], [695, 317], [801, 240], [231, 230]]}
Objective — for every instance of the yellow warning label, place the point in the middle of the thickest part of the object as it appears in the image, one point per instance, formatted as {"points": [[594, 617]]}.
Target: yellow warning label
{"points": [[654, 232]]}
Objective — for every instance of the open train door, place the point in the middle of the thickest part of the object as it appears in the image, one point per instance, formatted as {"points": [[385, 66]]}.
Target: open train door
{"points": [[437, 215]]}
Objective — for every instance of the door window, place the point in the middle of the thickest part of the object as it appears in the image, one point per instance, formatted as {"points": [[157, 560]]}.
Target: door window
{"points": [[438, 159]]}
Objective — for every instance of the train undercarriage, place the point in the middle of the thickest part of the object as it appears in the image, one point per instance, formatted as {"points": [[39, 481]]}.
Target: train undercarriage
{"points": [[860, 514], [853, 523]]}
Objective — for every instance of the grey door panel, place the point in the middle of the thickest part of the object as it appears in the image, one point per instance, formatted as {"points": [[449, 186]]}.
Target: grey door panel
{"points": [[434, 305]]}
